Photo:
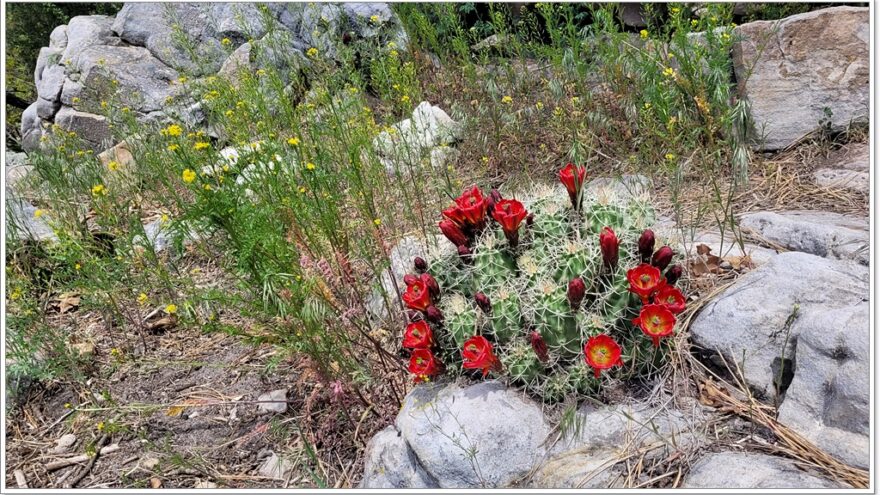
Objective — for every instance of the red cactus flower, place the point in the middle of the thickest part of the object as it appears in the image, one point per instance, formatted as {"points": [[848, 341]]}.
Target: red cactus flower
{"points": [[610, 246], [601, 353], [510, 213], [456, 215], [673, 274], [646, 245], [417, 296], [672, 298], [477, 354], [576, 292], [453, 232], [432, 285], [644, 280], [420, 264], [656, 321], [410, 279], [539, 346], [423, 365], [483, 302], [573, 179], [418, 335], [434, 315], [473, 206], [662, 257]]}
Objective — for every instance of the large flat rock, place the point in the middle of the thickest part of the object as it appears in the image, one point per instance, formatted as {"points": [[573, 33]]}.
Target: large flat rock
{"points": [[726, 470], [827, 234]]}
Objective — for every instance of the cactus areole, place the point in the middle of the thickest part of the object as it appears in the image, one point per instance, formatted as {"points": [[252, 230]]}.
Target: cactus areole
{"points": [[555, 291]]}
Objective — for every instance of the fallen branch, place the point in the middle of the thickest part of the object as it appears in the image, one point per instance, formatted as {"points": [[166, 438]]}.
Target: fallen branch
{"points": [[63, 463], [92, 460]]}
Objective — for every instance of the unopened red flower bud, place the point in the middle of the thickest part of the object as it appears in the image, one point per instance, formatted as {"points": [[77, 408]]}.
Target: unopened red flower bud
{"points": [[420, 264], [483, 302], [646, 245], [453, 232], [410, 279], [673, 274], [530, 219], [539, 346], [662, 257], [414, 315], [434, 315], [576, 292], [610, 247], [432, 286]]}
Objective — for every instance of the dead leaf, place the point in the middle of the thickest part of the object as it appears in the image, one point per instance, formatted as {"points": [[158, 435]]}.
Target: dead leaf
{"points": [[66, 302], [155, 483], [704, 263], [177, 409], [703, 249]]}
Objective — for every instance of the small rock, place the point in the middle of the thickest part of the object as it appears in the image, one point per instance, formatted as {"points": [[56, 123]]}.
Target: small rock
{"points": [[749, 470], [64, 444], [274, 401], [84, 349], [150, 463], [276, 467], [204, 484]]}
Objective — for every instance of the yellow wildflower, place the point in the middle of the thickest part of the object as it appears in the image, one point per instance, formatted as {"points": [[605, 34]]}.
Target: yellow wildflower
{"points": [[294, 141], [374, 19], [38, 213], [226, 42], [173, 147], [188, 176], [68, 405], [312, 52], [377, 222], [103, 104], [310, 166], [99, 190], [142, 299], [171, 309], [404, 99], [669, 156], [539, 105], [113, 165], [643, 34], [229, 113], [200, 145], [393, 53], [173, 130], [506, 99], [669, 72], [77, 266]]}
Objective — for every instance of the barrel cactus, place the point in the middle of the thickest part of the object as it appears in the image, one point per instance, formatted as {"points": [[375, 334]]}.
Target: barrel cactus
{"points": [[549, 290]]}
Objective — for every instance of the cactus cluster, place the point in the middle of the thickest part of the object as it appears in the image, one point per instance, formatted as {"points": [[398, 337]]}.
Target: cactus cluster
{"points": [[546, 286]]}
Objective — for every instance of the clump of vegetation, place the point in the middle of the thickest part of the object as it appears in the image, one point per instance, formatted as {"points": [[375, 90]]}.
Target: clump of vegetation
{"points": [[539, 291]]}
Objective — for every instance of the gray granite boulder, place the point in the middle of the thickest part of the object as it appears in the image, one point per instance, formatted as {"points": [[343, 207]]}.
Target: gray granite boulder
{"points": [[481, 436], [795, 70]]}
